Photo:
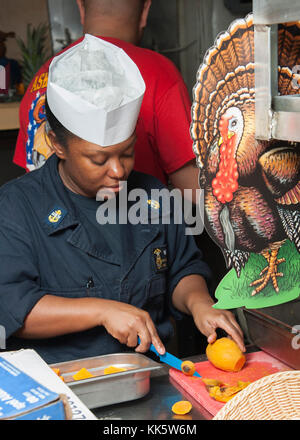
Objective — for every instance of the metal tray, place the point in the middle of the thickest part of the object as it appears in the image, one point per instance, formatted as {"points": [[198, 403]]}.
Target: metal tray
{"points": [[276, 330], [103, 390]]}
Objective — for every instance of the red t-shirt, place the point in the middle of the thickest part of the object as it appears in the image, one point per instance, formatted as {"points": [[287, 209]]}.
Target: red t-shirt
{"points": [[163, 138]]}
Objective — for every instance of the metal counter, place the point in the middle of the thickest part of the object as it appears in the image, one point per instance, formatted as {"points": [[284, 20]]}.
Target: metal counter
{"points": [[156, 405]]}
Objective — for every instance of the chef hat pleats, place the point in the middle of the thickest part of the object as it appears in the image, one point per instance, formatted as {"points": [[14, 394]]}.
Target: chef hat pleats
{"points": [[95, 91]]}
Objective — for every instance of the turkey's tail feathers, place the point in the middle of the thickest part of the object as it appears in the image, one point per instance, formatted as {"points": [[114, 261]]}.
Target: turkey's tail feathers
{"points": [[225, 78], [289, 58], [291, 224], [236, 259]]}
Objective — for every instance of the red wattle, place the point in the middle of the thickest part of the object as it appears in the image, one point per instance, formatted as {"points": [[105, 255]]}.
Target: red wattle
{"points": [[226, 181]]}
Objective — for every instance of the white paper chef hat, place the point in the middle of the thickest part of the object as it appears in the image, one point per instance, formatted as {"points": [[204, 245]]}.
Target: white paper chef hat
{"points": [[95, 91]]}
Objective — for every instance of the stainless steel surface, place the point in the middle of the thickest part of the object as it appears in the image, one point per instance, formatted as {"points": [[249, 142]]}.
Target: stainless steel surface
{"points": [[65, 23], [277, 117], [157, 404], [275, 11], [276, 331], [109, 389], [287, 126], [288, 103], [265, 47]]}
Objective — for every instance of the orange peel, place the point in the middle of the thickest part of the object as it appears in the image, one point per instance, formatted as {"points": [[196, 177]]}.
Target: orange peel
{"points": [[223, 392]]}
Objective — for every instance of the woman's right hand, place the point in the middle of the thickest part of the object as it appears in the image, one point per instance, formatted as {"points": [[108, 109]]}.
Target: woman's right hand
{"points": [[126, 323]]}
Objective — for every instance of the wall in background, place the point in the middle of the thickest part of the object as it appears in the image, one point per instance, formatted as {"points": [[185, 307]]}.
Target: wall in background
{"points": [[179, 29], [65, 23], [14, 16], [183, 30]]}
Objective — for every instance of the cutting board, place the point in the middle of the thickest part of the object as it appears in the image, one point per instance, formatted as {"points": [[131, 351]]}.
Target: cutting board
{"points": [[258, 364]]}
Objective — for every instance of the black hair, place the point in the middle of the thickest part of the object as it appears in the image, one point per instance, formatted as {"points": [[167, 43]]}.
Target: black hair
{"points": [[62, 134]]}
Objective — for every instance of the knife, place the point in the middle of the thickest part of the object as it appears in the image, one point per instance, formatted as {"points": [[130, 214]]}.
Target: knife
{"points": [[169, 359]]}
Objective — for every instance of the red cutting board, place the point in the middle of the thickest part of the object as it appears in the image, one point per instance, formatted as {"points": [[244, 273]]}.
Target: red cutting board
{"points": [[258, 364]]}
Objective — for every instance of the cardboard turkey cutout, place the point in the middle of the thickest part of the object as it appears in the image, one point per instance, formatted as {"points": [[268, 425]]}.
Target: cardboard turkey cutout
{"points": [[251, 188]]}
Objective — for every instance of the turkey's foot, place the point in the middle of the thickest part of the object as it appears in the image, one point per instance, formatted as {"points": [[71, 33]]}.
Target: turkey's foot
{"points": [[269, 272]]}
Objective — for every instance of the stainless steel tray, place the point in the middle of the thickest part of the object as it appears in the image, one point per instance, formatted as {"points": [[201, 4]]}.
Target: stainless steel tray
{"points": [[276, 330], [109, 389]]}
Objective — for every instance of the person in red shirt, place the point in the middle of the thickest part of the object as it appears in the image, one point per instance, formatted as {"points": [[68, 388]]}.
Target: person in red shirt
{"points": [[164, 146]]}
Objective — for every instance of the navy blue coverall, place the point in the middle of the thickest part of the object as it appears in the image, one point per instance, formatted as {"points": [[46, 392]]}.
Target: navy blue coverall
{"points": [[46, 247]]}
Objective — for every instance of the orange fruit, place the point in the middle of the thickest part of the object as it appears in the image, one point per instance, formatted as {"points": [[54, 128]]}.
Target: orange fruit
{"points": [[225, 354], [188, 368], [182, 407]]}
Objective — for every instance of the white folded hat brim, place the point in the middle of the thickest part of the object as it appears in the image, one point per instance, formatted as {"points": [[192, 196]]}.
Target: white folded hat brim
{"points": [[86, 120]]}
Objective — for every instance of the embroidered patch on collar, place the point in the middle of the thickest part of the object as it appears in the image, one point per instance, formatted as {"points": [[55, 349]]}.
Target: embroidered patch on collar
{"points": [[55, 217], [160, 258]]}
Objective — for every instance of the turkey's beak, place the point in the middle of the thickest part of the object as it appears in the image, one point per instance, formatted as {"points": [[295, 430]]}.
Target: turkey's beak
{"points": [[229, 135]]}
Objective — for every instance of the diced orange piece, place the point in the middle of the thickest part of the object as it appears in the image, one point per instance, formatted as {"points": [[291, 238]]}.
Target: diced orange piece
{"points": [[112, 370], [82, 374], [220, 396], [56, 371]]}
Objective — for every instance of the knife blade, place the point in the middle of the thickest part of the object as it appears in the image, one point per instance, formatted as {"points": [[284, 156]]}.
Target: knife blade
{"points": [[169, 359]]}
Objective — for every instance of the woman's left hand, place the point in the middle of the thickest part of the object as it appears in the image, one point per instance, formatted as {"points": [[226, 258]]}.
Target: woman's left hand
{"points": [[191, 296], [208, 320]]}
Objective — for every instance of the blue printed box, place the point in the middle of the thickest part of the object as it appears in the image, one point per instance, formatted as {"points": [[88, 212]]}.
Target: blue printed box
{"points": [[21, 397]]}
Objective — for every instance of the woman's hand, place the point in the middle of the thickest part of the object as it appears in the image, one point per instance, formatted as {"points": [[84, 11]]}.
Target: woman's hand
{"points": [[191, 296], [126, 323], [55, 316], [208, 320]]}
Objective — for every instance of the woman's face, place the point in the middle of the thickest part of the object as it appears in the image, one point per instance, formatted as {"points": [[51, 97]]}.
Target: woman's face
{"points": [[87, 168]]}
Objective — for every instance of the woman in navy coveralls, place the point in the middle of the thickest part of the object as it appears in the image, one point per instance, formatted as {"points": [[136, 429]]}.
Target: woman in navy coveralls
{"points": [[71, 288]]}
